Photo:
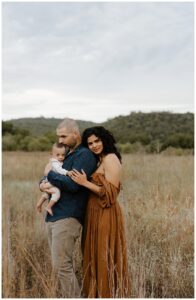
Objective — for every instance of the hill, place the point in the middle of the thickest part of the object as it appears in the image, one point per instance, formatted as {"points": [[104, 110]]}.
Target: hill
{"points": [[146, 127], [40, 126], [153, 131]]}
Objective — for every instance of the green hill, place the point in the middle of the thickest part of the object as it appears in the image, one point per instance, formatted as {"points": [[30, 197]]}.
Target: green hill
{"points": [[40, 126], [145, 127], [153, 131]]}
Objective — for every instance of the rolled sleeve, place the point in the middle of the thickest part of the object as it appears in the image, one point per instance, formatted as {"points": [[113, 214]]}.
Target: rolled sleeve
{"points": [[63, 182]]}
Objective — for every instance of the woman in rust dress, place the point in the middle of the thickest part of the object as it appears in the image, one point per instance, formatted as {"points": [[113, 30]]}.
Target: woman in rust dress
{"points": [[105, 259]]}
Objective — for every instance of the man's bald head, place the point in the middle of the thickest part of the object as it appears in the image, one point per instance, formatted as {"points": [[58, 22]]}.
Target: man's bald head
{"points": [[69, 124], [68, 133]]}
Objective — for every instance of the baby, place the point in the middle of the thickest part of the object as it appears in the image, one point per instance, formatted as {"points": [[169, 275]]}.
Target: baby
{"points": [[58, 156]]}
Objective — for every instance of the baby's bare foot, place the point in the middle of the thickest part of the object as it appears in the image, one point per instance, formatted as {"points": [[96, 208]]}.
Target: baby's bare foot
{"points": [[49, 210]]}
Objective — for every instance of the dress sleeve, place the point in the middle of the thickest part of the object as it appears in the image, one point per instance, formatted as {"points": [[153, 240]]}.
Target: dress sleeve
{"points": [[108, 192]]}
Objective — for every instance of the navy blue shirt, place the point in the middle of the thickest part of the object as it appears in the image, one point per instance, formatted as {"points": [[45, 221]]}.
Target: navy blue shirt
{"points": [[73, 200]]}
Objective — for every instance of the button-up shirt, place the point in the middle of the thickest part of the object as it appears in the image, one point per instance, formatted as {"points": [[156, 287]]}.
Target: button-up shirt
{"points": [[73, 199]]}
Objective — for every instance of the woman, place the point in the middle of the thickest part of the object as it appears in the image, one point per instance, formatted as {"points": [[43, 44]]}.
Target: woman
{"points": [[105, 261]]}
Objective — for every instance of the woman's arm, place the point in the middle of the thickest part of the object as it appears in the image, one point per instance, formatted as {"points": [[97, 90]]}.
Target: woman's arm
{"points": [[81, 159], [112, 168], [81, 179]]}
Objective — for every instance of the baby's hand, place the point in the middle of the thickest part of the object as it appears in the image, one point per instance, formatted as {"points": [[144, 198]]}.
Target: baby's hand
{"points": [[69, 173]]}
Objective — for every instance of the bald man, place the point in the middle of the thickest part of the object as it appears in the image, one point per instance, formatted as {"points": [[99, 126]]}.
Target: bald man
{"points": [[64, 226]]}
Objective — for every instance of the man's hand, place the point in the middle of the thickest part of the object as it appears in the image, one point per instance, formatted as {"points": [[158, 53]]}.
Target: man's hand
{"points": [[48, 168]]}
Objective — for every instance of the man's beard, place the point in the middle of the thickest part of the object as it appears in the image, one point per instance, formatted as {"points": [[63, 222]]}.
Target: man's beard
{"points": [[71, 146]]}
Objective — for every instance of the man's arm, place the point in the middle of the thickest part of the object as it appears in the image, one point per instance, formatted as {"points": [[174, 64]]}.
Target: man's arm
{"points": [[83, 160]]}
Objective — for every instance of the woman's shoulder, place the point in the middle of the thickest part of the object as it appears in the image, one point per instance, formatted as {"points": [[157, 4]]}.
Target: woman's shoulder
{"points": [[112, 169], [111, 159]]}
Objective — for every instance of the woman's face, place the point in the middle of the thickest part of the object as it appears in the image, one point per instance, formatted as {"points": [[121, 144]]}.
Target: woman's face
{"points": [[95, 144]]}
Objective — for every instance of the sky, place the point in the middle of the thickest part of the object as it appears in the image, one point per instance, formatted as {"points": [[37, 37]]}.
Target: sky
{"points": [[96, 60]]}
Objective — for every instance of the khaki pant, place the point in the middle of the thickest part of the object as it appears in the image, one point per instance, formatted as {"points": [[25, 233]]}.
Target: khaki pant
{"points": [[62, 235]]}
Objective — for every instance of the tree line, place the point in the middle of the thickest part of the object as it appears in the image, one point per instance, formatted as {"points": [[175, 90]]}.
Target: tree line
{"points": [[137, 132]]}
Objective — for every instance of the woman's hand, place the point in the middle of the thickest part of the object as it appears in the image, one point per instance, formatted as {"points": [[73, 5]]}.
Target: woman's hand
{"points": [[78, 177]]}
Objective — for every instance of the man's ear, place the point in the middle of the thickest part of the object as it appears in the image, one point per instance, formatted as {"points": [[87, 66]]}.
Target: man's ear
{"points": [[75, 131]]}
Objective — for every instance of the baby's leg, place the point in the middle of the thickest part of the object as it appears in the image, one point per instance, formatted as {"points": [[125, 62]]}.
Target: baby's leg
{"points": [[55, 192], [44, 197], [46, 187]]}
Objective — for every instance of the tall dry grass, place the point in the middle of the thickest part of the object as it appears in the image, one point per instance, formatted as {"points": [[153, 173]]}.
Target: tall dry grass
{"points": [[157, 200]]}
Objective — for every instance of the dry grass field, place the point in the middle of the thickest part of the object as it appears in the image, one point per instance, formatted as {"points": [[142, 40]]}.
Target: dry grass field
{"points": [[157, 200]]}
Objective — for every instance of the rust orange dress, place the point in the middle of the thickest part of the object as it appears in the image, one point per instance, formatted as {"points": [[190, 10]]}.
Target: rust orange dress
{"points": [[105, 260]]}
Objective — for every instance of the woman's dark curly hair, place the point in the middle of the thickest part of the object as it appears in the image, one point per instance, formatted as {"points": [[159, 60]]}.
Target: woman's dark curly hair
{"points": [[105, 136]]}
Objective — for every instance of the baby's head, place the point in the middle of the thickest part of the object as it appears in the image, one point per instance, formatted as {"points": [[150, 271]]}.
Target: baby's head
{"points": [[58, 152]]}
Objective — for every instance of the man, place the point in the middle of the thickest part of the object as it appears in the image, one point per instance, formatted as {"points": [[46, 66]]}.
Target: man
{"points": [[64, 226]]}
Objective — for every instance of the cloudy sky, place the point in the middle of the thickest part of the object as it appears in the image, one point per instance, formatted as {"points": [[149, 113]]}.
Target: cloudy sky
{"points": [[94, 61]]}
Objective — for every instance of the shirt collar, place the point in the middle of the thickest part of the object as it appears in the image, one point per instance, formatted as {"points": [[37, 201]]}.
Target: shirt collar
{"points": [[75, 150]]}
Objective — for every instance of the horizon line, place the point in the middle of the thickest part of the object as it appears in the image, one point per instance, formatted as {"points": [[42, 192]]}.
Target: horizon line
{"points": [[109, 118]]}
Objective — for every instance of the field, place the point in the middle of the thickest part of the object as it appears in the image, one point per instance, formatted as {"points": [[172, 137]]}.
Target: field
{"points": [[157, 199]]}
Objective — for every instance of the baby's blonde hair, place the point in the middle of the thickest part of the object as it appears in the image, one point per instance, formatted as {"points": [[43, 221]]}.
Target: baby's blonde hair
{"points": [[58, 145]]}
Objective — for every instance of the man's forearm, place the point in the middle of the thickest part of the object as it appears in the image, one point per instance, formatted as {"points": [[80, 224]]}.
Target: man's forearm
{"points": [[63, 182]]}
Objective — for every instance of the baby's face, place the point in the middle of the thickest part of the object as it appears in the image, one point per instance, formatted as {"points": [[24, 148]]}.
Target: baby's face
{"points": [[58, 153]]}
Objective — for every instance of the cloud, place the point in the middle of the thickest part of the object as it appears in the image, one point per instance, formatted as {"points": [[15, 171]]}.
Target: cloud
{"points": [[112, 52]]}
